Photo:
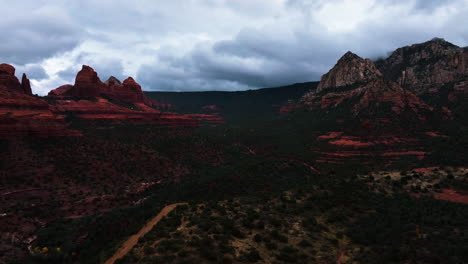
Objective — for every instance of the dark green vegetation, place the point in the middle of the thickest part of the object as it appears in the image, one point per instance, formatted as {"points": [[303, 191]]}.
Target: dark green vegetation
{"points": [[309, 225], [253, 190], [235, 107], [247, 187]]}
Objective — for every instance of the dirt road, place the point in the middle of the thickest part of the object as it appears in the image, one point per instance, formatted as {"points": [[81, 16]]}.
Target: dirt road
{"points": [[133, 240]]}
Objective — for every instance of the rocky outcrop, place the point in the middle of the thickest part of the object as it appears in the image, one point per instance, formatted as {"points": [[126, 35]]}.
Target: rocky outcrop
{"points": [[87, 83], [26, 85], [458, 93], [372, 115], [133, 92], [8, 78], [426, 67], [350, 69], [24, 115], [357, 80], [116, 101], [7, 69], [129, 91], [101, 109], [62, 91], [381, 92], [113, 81], [384, 150]]}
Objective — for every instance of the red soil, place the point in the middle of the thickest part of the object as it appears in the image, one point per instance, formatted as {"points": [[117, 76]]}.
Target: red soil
{"points": [[434, 134], [419, 154], [452, 196], [330, 135], [351, 143], [288, 108], [425, 169]]}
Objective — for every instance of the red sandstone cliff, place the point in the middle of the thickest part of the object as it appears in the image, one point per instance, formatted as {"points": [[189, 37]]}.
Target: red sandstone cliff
{"points": [[87, 84], [91, 99], [350, 69], [8, 78], [426, 67], [26, 85], [24, 115], [359, 83]]}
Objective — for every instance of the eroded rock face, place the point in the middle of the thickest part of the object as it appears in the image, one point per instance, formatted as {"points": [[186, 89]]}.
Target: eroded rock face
{"points": [[7, 69], [382, 91], [8, 78], [24, 115], [133, 92], [104, 110], [87, 83], [129, 91], [350, 69], [426, 67], [113, 81], [354, 79], [26, 85], [64, 90]]}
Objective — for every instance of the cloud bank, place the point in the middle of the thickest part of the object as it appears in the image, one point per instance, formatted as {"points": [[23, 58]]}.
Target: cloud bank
{"points": [[197, 45]]}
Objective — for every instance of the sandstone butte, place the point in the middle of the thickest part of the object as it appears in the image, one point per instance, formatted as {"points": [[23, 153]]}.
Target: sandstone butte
{"points": [[91, 99], [9, 80], [22, 114], [88, 84]]}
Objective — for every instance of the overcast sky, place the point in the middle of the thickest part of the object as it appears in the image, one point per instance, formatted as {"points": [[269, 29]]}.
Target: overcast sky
{"points": [[190, 45]]}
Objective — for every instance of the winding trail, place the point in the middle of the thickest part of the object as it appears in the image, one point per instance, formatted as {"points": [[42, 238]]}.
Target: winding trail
{"points": [[133, 240]]}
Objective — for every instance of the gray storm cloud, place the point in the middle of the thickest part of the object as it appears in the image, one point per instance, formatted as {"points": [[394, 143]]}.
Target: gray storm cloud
{"points": [[29, 37], [213, 44]]}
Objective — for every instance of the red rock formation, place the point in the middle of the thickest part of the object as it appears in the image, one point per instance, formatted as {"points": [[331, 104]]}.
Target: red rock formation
{"points": [[25, 115], [426, 67], [104, 110], [453, 196], [87, 83], [113, 88], [375, 105], [349, 69], [64, 90], [459, 92], [357, 79], [129, 91], [8, 78], [112, 81], [132, 92], [368, 149], [383, 91], [289, 107], [7, 69], [26, 85]]}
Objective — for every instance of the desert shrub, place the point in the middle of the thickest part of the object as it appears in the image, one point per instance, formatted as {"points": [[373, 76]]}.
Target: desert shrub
{"points": [[251, 255], [304, 243], [257, 238]]}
